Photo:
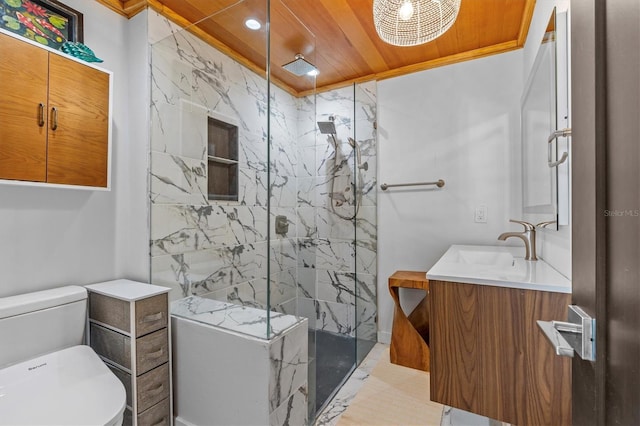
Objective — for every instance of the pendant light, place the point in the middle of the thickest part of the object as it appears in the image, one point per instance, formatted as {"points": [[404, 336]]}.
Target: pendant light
{"points": [[413, 22]]}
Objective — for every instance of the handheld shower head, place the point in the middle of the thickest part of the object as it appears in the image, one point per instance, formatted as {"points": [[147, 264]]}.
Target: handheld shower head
{"points": [[356, 148]]}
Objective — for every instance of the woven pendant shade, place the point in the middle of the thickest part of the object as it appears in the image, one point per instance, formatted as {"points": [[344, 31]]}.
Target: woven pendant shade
{"points": [[409, 23]]}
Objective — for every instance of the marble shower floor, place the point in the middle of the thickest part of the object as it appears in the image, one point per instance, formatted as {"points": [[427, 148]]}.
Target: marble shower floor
{"points": [[430, 413]]}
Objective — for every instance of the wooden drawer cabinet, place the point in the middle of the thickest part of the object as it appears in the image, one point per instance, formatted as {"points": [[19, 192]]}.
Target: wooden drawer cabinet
{"points": [[129, 329], [54, 116]]}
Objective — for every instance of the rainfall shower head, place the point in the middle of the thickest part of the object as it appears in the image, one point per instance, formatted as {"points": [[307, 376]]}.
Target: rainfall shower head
{"points": [[300, 66]]}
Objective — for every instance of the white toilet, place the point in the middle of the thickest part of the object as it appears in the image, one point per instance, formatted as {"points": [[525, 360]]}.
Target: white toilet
{"points": [[47, 376]]}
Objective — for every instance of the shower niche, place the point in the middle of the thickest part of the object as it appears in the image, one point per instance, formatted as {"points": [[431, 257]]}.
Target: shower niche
{"points": [[222, 160]]}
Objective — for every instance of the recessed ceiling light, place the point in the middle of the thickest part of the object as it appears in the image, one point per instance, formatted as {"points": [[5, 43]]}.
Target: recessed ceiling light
{"points": [[252, 24], [313, 73]]}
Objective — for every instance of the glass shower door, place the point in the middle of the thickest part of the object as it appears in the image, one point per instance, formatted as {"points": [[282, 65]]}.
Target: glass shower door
{"points": [[366, 229], [208, 159]]}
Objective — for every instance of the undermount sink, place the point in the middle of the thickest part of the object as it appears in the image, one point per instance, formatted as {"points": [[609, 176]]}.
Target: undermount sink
{"points": [[502, 266]]}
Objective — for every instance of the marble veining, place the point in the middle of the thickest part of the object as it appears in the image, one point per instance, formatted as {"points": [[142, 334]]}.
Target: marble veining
{"points": [[288, 357], [293, 412], [240, 319], [337, 255], [190, 80], [218, 249]]}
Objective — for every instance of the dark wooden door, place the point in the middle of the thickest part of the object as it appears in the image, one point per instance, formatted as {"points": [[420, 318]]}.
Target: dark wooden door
{"points": [[605, 74]]}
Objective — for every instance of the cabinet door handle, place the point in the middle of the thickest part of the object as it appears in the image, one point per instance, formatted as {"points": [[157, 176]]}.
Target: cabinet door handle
{"points": [[54, 118], [41, 115], [152, 317]]}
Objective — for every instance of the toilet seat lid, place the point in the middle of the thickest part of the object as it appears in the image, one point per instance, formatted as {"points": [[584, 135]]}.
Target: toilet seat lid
{"points": [[68, 387]]}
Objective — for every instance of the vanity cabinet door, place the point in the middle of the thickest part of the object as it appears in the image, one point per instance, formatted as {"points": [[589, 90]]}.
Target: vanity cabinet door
{"points": [[489, 357], [79, 124], [23, 99], [454, 343]]}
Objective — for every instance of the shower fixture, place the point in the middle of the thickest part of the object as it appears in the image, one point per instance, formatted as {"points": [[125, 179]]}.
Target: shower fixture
{"points": [[329, 128], [300, 66], [356, 148]]}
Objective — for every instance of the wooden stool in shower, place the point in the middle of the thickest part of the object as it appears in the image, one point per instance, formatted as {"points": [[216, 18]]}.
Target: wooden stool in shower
{"points": [[410, 334]]}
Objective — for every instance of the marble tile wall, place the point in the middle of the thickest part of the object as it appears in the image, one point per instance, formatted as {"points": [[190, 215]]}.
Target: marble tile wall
{"points": [[337, 261], [218, 249]]}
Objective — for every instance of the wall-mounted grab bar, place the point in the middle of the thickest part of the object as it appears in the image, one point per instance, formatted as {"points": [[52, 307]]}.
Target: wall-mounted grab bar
{"points": [[553, 136], [439, 183]]}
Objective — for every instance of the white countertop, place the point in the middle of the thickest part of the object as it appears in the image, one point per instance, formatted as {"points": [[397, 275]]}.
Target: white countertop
{"points": [[497, 266], [127, 290]]}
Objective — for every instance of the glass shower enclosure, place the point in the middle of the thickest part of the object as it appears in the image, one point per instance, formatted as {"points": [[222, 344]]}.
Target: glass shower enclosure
{"points": [[250, 203]]}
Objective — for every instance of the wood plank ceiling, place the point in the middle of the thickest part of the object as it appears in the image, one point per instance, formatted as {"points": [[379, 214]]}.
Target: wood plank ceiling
{"points": [[338, 36]]}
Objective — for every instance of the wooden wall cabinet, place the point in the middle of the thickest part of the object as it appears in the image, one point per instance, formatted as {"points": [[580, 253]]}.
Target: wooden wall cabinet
{"points": [[54, 117], [489, 357], [129, 329]]}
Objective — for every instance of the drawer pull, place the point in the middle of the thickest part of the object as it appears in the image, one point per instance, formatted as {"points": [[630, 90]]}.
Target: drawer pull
{"points": [[162, 421], [152, 317], [156, 354], [155, 391]]}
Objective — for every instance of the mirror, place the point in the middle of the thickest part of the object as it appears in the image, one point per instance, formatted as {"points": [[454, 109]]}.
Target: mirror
{"points": [[544, 109]]}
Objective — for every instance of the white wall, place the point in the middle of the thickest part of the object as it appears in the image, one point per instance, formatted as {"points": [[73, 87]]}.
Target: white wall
{"points": [[55, 237], [132, 222], [459, 123]]}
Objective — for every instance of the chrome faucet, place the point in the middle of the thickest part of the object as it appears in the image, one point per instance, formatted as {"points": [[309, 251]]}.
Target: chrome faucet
{"points": [[528, 236]]}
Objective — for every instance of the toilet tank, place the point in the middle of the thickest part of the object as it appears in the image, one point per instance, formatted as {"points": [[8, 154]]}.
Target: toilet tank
{"points": [[38, 323]]}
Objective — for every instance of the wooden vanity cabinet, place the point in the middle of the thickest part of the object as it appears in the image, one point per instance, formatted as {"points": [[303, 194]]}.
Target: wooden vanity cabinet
{"points": [[54, 117], [489, 357], [129, 329]]}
